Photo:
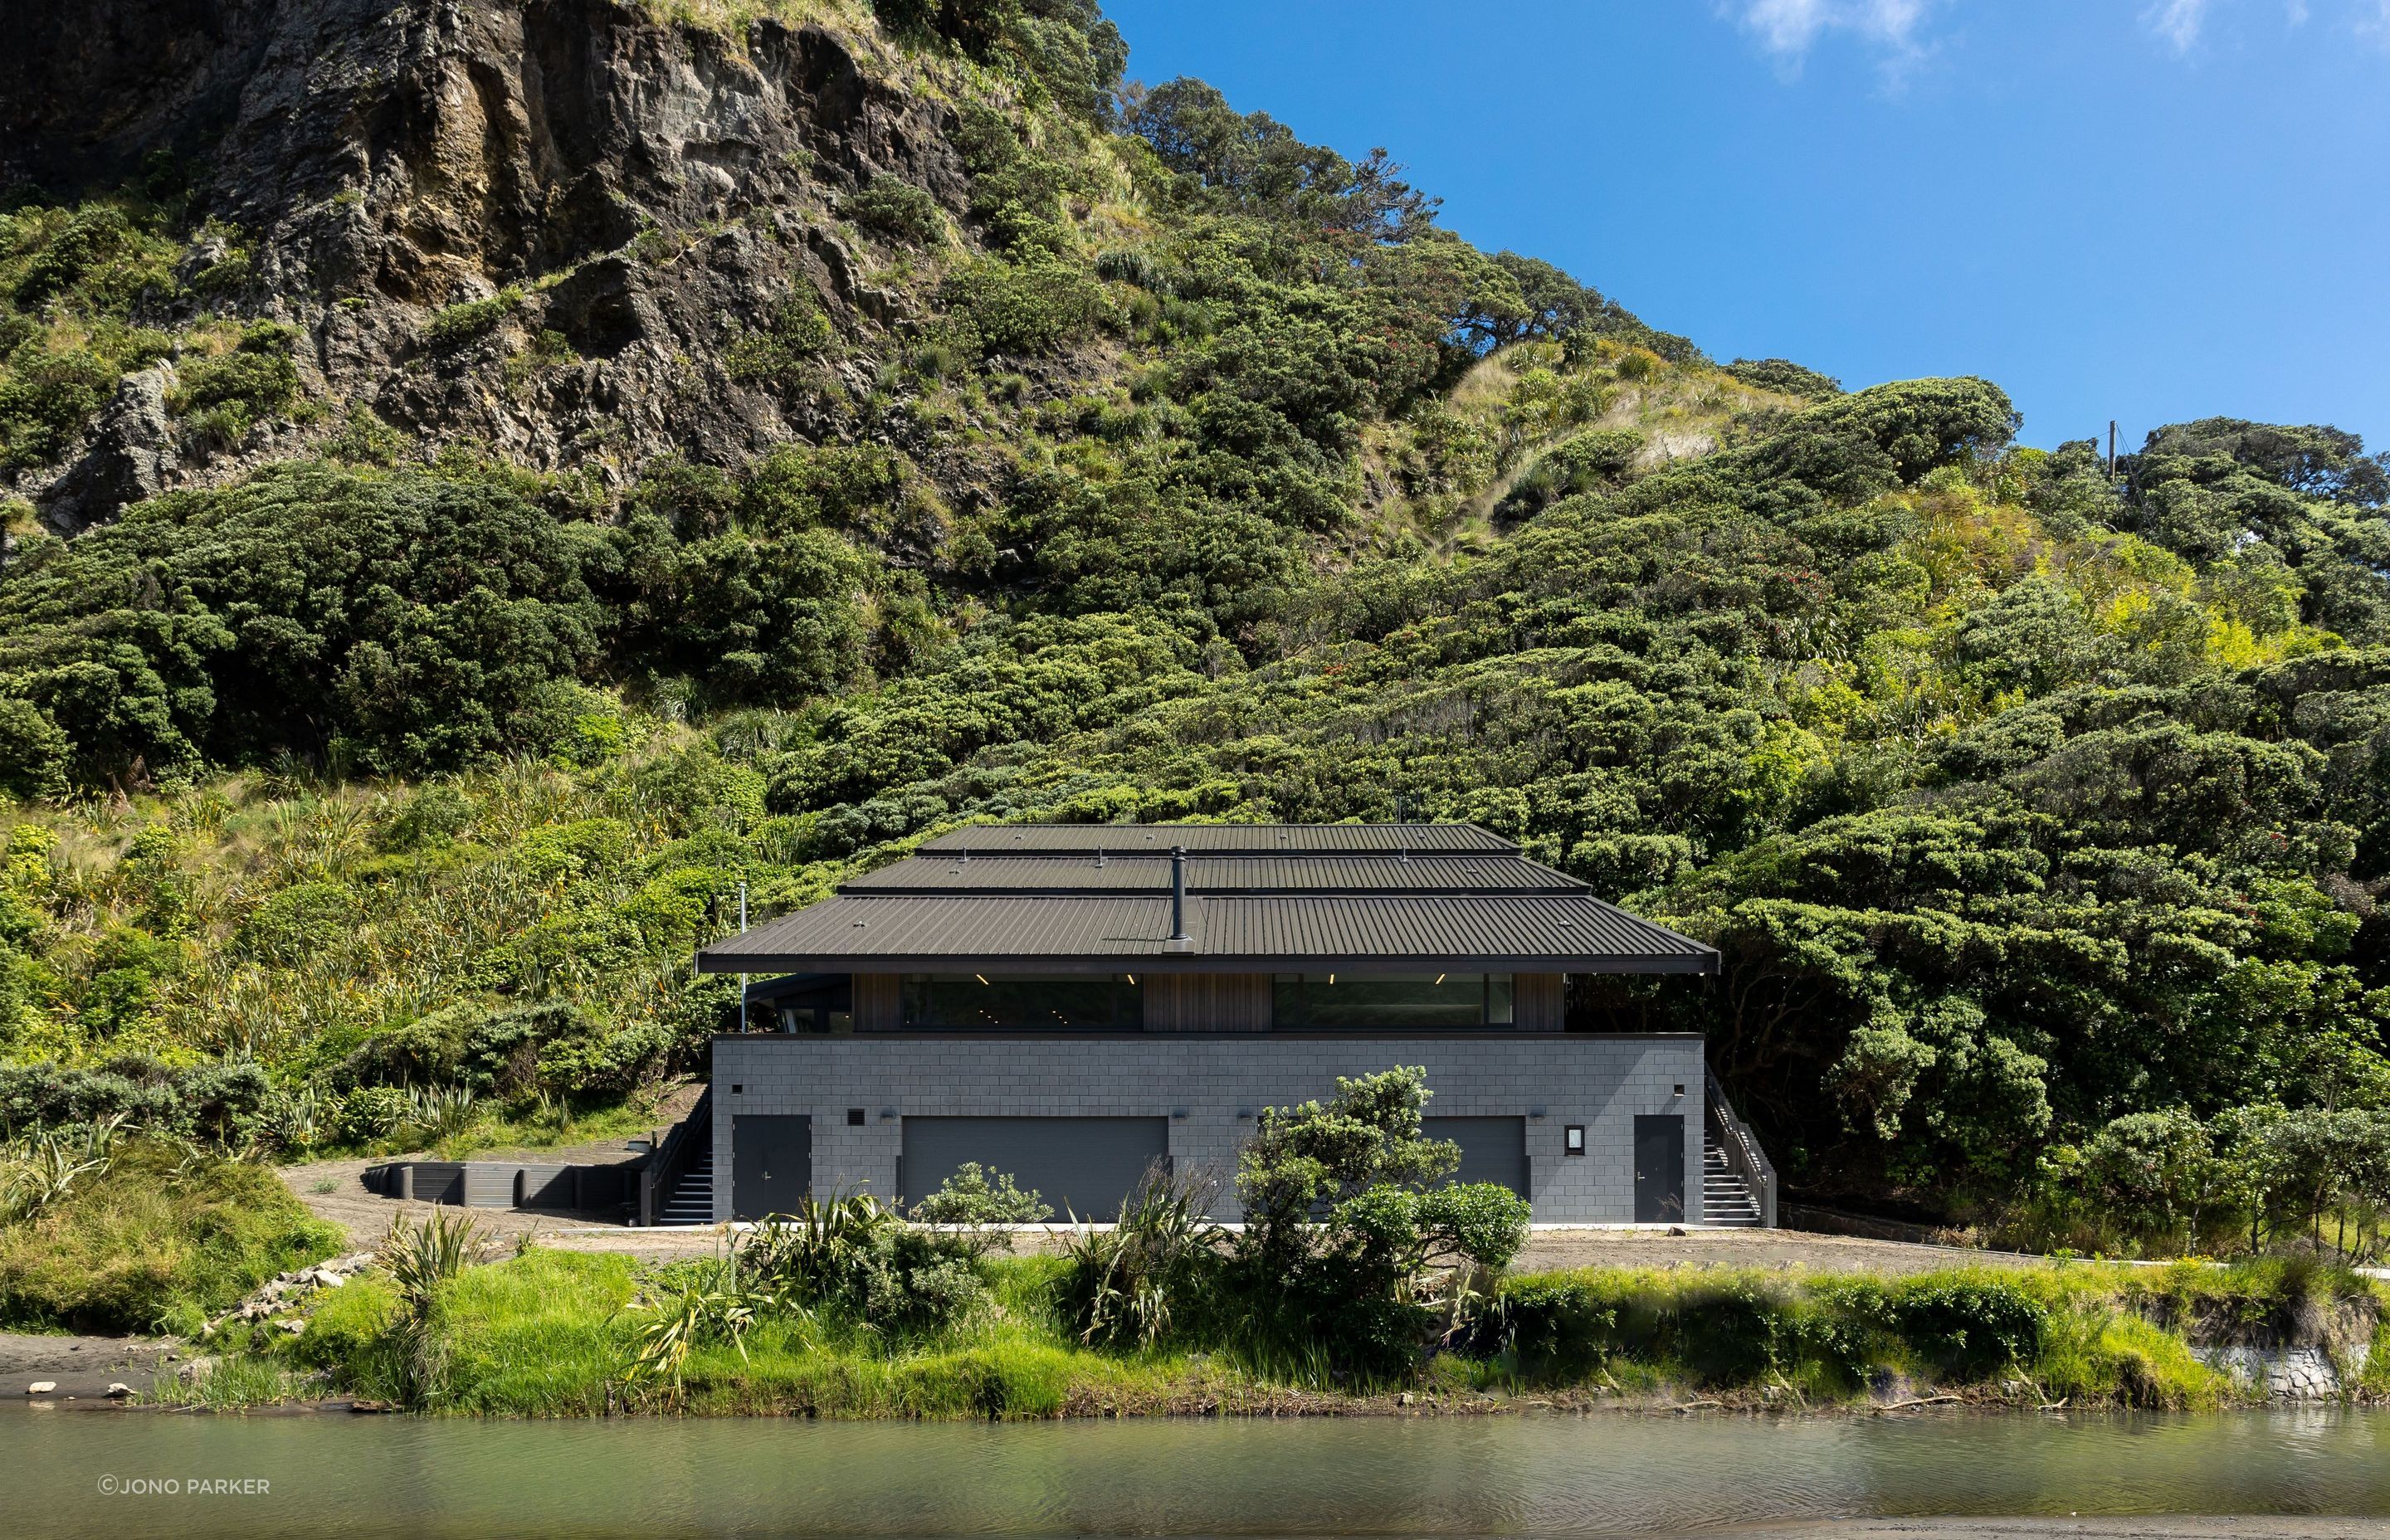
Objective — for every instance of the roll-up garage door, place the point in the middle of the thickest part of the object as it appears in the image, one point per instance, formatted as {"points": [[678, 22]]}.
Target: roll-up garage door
{"points": [[1082, 1166], [1492, 1149]]}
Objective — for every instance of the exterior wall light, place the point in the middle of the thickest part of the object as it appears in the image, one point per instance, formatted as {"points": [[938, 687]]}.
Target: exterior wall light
{"points": [[1573, 1139]]}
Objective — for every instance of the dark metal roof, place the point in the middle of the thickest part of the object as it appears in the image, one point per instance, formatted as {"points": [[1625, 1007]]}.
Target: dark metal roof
{"points": [[1150, 872], [1217, 838], [1528, 933]]}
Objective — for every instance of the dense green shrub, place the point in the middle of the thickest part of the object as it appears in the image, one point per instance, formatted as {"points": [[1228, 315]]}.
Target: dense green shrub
{"points": [[1345, 1212], [895, 206], [227, 394], [401, 622], [45, 398], [472, 319], [974, 1195], [855, 1256], [1784, 376], [1031, 309], [222, 1102]]}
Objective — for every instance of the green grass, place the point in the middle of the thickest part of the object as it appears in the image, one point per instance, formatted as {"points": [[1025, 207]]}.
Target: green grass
{"points": [[155, 1244], [553, 1333]]}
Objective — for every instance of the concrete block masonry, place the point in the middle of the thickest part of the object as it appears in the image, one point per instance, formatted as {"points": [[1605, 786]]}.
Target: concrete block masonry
{"points": [[1209, 1087]]}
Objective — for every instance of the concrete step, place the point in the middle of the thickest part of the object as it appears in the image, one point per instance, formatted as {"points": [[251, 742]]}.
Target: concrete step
{"points": [[1726, 1197], [691, 1199]]}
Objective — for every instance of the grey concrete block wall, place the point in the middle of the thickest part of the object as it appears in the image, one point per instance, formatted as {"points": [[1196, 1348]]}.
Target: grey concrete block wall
{"points": [[1201, 1083]]}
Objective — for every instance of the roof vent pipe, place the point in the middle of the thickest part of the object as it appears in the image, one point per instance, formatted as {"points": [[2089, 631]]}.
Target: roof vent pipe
{"points": [[1179, 941]]}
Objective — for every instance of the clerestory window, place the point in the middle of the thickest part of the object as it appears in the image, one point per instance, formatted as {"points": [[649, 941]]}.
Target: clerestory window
{"points": [[1332, 1002], [999, 1002]]}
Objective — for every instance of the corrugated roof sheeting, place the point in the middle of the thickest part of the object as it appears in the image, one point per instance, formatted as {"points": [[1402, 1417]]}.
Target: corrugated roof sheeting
{"points": [[1243, 839], [1536, 932], [1491, 873]]}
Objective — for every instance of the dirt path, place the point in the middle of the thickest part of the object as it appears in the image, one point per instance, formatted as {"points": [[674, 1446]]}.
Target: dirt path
{"points": [[1784, 1250]]}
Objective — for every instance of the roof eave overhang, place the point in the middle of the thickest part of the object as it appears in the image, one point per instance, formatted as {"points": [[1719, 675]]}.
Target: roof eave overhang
{"points": [[724, 961]]}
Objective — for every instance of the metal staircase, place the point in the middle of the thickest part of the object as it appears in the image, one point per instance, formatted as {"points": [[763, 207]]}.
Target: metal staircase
{"points": [[1738, 1180]]}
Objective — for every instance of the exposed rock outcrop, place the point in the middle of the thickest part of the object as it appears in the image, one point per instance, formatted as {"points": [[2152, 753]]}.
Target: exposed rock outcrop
{"points": [[636, 195]]}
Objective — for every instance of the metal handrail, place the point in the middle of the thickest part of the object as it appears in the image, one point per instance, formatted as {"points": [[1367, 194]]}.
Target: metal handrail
{"points": [[1741, 1146], [670, 1161]]}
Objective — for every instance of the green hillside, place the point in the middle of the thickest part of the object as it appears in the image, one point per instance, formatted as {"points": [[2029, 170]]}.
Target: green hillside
{"points": [[1144, 463]]}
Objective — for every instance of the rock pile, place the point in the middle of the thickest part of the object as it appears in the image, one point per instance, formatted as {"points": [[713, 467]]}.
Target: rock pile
{"points": [[276, 1298]]}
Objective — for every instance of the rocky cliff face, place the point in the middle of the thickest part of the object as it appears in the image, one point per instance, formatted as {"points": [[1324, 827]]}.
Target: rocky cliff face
{"points": [[624, 199]]}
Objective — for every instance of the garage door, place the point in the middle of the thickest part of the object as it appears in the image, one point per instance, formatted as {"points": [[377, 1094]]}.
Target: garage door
{"points": [[1082, 1166], [1492, 1149]]}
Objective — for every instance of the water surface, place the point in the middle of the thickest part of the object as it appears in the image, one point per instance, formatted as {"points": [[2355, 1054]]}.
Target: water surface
{"points": [[333, 1475]]}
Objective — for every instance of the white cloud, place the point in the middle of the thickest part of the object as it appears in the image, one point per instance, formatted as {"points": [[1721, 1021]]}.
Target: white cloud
{"points": [[1789, 28], [2178, 21]]}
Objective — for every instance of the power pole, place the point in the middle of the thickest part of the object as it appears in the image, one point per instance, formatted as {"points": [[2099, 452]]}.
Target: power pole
{"points": [[2111, 449], [742, 978]]}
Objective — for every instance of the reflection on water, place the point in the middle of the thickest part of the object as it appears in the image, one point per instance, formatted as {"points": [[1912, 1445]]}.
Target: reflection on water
{"points": [[332, 1475]]}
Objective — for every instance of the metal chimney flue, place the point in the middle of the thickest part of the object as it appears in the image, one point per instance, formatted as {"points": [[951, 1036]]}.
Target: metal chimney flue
{"points": [[1179, 940]]}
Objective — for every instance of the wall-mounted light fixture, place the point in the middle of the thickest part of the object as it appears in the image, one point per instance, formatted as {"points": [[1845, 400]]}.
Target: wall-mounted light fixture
{"points": [[1573, 1139], [888, 1114]]}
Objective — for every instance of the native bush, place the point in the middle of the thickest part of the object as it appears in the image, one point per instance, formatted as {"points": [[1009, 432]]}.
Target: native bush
{"points": [[1345, 1215], [898, 208], [1031, 309], [855, 1256], [975, 1195]]}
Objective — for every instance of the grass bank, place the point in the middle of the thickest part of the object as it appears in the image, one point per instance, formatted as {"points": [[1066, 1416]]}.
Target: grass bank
{"points": [[560, 1334], [156, 1240]]}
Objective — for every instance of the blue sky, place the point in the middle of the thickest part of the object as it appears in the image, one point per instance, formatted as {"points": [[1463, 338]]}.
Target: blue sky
{"points": [[2150, 211]]}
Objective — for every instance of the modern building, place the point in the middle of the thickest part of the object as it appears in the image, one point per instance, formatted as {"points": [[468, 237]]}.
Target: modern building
{"points": [[1071, 1002]]}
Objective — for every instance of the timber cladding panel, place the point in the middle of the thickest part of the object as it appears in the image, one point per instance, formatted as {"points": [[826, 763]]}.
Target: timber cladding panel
{"points": [[1540, 1002], [1207, 1002], [878, 1002]]}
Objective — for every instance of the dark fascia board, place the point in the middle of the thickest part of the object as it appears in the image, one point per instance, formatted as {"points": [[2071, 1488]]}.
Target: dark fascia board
{"points": [[800, 1039], [715, 961]]}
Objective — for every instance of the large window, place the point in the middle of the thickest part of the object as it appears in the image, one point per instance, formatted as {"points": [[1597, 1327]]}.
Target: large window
{"points": [[1023, 1002], [1327, 1002]]}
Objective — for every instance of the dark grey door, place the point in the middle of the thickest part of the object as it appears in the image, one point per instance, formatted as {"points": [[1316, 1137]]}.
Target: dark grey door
{"points": [[771, 1163], [1492, 1149], [1660, 1170], [1082, 1166]]}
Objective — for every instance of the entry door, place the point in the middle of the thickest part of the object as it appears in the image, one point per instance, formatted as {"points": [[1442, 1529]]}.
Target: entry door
{"points": [[1492, 1149], [1660, 1170], [771, 1163]]}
